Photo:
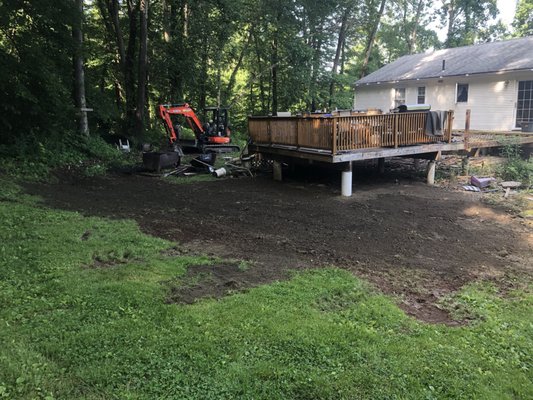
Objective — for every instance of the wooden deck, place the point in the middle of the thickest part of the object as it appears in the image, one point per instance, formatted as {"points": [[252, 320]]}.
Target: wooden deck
{"points": [[341, 139]]}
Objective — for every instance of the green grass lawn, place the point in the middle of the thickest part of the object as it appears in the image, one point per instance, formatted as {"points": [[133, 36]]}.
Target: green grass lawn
{"points": [[70, 331]]}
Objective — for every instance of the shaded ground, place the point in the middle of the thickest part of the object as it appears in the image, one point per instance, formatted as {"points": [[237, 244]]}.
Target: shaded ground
{"points": [[416, 242]]}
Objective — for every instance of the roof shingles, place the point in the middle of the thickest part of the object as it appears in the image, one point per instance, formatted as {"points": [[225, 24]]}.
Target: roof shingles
{"points": [[509, 55]]}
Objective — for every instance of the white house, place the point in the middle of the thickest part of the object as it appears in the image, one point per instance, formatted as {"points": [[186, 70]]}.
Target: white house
{"points": [[493, 80]]}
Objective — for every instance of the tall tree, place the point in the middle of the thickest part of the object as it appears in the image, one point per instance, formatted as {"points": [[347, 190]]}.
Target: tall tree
{"points": [[523, 20], [142, 69], [372, 37], [79, 73], [465, 18]]}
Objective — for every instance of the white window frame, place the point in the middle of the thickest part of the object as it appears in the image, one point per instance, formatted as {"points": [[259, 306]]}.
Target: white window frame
{"points": [[527, 104], [398, 100], [418, 95]]}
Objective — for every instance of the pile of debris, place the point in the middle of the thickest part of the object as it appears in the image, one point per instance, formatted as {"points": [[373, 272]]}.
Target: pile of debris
{"points": [[486, 184], [205, 163]]}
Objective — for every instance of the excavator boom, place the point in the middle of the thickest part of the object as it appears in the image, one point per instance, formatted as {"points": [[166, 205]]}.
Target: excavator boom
{"points": [[166, 110]]}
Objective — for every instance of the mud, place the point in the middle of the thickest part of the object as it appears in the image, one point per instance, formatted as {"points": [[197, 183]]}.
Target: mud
{"points": [[416, 242]]}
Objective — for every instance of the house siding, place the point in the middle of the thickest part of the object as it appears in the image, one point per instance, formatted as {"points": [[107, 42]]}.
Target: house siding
{"points": [[491, 98]]}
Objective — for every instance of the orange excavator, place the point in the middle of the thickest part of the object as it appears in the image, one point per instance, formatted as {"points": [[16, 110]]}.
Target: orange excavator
{"points": [[210, 138]]}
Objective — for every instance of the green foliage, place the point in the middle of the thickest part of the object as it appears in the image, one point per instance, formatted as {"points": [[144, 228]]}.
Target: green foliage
{"points": [[468, 22], [35, 89], [90, 155], [84, 316], [515, 167], [523, 20]]}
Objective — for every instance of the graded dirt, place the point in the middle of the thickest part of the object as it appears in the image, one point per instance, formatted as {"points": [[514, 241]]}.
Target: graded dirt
{"points": [[415, 242]]}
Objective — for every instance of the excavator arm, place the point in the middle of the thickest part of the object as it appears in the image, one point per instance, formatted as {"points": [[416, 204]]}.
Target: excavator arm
{"points": [[166, 110]]}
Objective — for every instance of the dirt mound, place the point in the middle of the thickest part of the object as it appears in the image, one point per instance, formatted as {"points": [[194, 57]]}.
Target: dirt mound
{"points": [[416, 242]]}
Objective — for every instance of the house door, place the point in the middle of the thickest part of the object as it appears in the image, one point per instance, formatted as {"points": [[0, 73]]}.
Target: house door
{"points": [[524, 106]]}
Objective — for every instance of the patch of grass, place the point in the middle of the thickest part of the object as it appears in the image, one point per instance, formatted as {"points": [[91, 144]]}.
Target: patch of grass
{"points": [[245, 265], [182, 180], [518, 203], [73, 332]]}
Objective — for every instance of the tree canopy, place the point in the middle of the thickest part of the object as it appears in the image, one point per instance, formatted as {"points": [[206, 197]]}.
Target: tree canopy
{"points": [[255, 56]]}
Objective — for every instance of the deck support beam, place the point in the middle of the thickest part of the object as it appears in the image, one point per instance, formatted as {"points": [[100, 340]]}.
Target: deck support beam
{"points": [[277, 171], [381, 165], [346, 184]]}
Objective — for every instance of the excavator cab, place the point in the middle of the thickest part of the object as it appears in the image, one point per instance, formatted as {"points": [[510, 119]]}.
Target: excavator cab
{"points": [[217, 124]]}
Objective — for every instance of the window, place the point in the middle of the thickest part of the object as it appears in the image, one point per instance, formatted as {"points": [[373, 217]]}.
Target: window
{"points": [[524, 106], [462, 93], [399, 97], [421, 99]]}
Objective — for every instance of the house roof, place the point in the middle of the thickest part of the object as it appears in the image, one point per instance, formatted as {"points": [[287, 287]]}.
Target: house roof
{"points": [[509, 55]]}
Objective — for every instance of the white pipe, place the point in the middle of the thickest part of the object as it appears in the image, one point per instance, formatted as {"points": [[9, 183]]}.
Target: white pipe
{"points": [[220, 172], [346, 186]]}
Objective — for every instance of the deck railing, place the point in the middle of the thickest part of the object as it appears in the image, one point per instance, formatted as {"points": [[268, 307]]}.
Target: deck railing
{"points": [[341, 134]]}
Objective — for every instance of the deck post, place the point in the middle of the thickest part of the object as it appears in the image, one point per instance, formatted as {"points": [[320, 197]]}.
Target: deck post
{"points": [[334, 137], [278, 175], [465, 165], [416, 164], [467, 128], [432, 166], [346, 184], [450, 125], [381, 165], [396, 133]]}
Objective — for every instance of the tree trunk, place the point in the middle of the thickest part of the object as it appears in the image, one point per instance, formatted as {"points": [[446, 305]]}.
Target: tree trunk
{"points": [[79, 73], [129, 78], [317, 45], [203, 72], [451, 18], [233, 75], [107, 14], [411, 45], [114, 7], [167, 15], [371, 38], [142, 69], [262, 97], [338, 51], [185, 18], [274, 73]]}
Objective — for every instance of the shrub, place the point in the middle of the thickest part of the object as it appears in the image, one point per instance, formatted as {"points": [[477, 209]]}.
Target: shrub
{"points": [[515, 167]]}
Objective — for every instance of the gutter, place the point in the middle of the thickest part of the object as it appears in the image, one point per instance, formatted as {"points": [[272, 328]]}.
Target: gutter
{"points": [[442, 77]]}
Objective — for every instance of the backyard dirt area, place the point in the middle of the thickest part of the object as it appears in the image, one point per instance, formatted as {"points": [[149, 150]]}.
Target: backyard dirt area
{"points": [[415, 242]]}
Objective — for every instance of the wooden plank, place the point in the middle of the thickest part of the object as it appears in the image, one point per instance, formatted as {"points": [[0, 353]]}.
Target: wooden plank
{"points": [[467, 127], [396, 152]]}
